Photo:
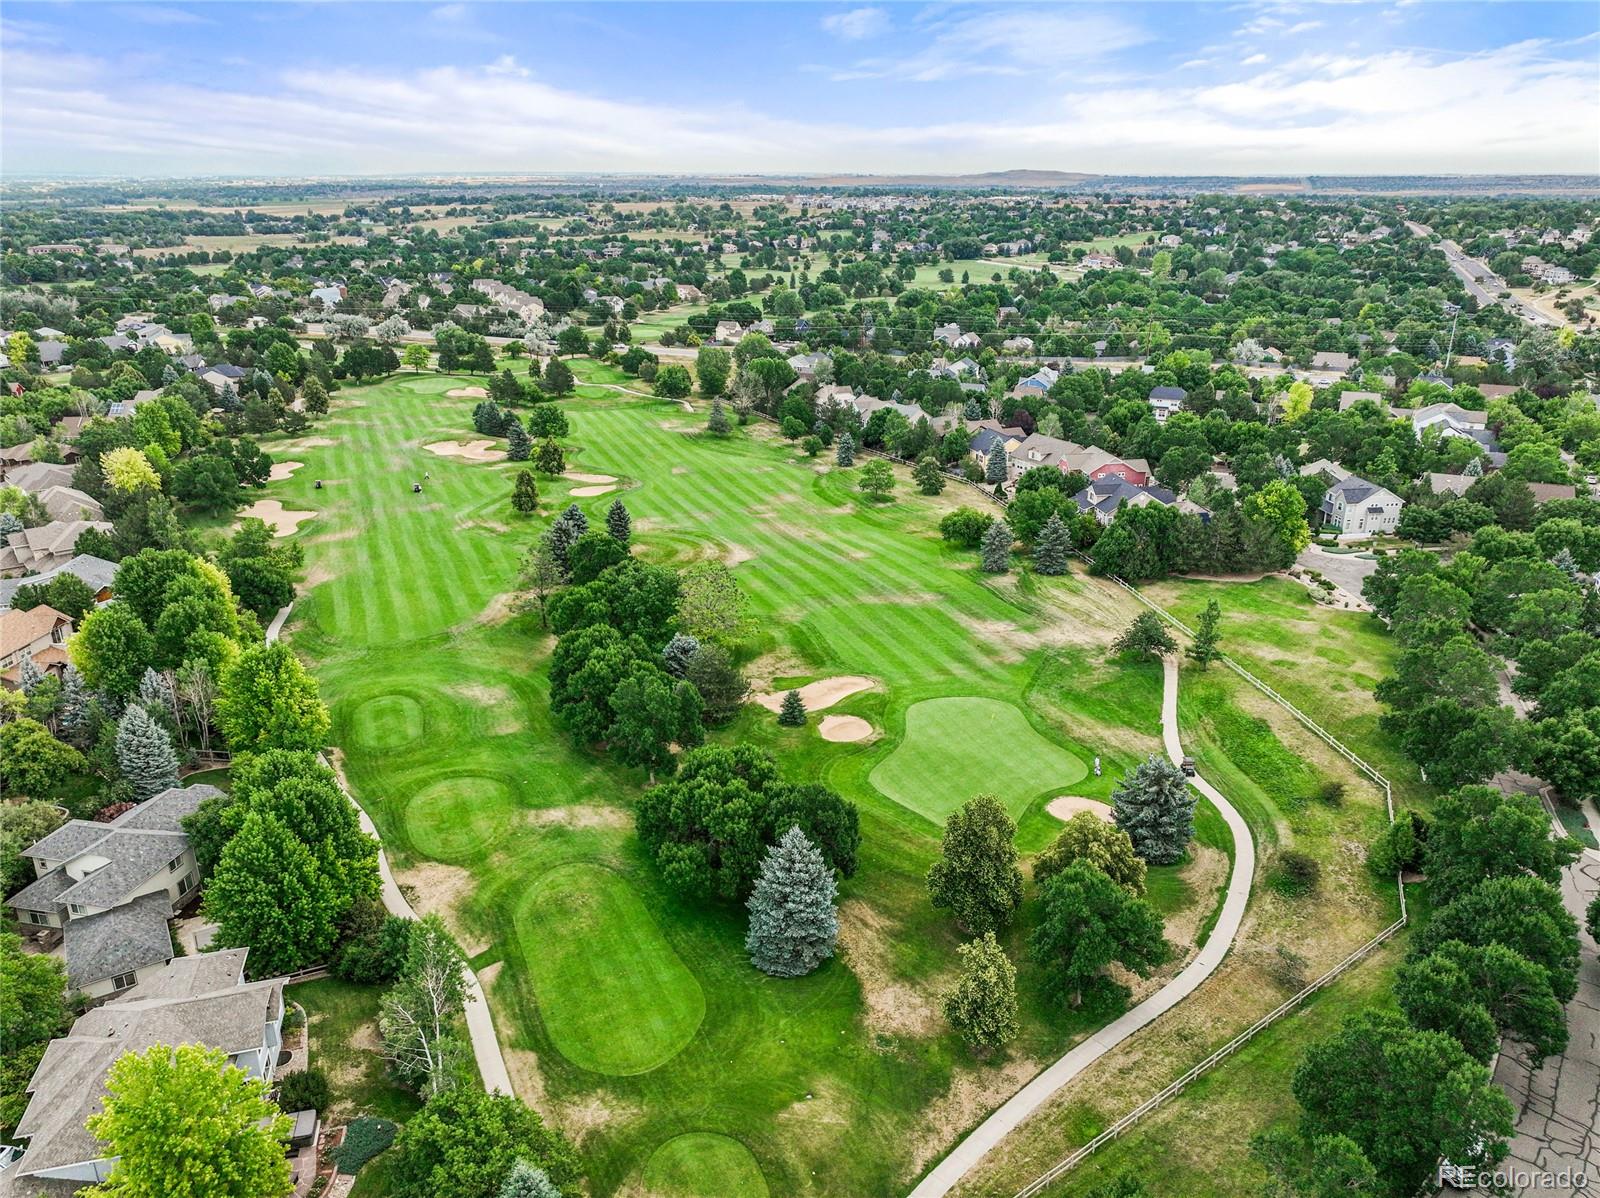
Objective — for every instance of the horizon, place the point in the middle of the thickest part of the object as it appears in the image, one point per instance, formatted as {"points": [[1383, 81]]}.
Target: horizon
{"points": [[1381, 89]]}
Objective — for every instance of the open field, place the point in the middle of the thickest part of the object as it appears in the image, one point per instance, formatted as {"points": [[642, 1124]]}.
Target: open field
{"points": [[438, 697], [343, 1023]]}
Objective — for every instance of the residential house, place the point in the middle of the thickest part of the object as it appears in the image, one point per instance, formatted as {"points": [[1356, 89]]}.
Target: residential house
{"points": [[35, 550], [1358, 508], [1328, 360], [1543, 493], [688, 293], [1493, 391], [95, 572], [223, 374], [1105, 497], [51, 352], [1324, 468], [805, 365], [99, 872], [34, 477], [40, 635], [511, 299], [1037, 383], [330, 296], [1017, 345], [1066, 456], [1350, 399], [69, 503], [218, 302], [1450, 484], [193, 1000], [1164, 401], [986, 434], [69, 427], [1451, 419], [727, 332], [124, 408]]}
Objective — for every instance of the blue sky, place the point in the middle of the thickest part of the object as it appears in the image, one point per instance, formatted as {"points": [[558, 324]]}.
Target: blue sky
{"points": [[1391, 86]]}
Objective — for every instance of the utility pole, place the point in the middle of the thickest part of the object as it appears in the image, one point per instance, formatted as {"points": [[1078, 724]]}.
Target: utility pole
{"points": [[1452, 346]]}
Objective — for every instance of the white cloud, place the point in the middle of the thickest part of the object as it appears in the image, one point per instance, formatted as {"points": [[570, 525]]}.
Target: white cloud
{"points": [[449, 13], [1254, 60], [157, 14], [507, 65], [1014, 41], [1399, 111], [857, 24]]}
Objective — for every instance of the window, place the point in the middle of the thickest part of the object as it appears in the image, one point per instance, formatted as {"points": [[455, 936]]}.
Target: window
{"points": [[172, 866], [36, 917], [187, 884], [75, 908], [122, 981]]}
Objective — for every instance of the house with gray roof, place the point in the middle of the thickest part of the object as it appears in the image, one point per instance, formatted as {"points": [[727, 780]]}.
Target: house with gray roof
{"points": [[91, 880], [34, 477], [193, 1000], [1357, 507], [95, 572], [36, 550]]}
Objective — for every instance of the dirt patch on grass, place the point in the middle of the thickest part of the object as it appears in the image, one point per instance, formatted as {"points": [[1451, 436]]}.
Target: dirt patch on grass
{"points": [[1014, 643], [317, 575], [346, 534], [498, 701], [580, 816], [467, 393], [894, 1007], [821, 694], [1067, 806], [1206, 875], [472, 451], [589, 492], [526, 1079], [973, 1092], [733, 555], [844, 729], [282, 521], [282, 470], [436, 888], [303, 443], [680, 470]]}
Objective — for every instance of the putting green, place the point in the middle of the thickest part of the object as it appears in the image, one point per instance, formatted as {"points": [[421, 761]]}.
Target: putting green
{"points": [[959, 747], [614, 995], [455, 819], [702, 1164], [387, 722]]}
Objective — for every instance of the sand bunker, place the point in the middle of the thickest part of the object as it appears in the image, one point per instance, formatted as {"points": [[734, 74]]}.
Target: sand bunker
{"points": [[578, 476], [823, 693], [1068, 806], [283, 523], [472, 451], [467, 393], [586, 492], [282, 470], [844, 728]]}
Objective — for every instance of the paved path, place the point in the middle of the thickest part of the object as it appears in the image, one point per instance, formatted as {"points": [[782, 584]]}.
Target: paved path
{"points": [[480, 1026], [1031, 1097], [1558, 1106]]}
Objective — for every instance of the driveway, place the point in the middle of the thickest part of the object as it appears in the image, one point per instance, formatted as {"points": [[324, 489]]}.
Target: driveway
{"points": [[1347, 571]]}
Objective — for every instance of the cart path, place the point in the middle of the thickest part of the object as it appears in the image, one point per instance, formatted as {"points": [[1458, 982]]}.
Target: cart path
{"points": [[480, 1026], [966, 1155]]}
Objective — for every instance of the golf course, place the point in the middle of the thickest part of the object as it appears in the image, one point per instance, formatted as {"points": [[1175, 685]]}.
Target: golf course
{"points": [[632, 1017]]}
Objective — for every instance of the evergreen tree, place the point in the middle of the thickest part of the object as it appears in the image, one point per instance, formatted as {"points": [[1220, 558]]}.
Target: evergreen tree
{"points": [[564, 533], [74, 716], [268, 894], [994, 470], [976, 877], [30, 676], [618, 522], [717, 423], [793, 713], [558, 378], [528, 1181], [844, 452], [983, 1005], [1147, 636], [156, 694], [525, 495], [680, 649], [928, 477], [550, 459], [995, 548], [1155, 807], [144, 754], [1206, 636], [1051, 549], [972, 409], [519, 446], [793, 924], [315, 395]]}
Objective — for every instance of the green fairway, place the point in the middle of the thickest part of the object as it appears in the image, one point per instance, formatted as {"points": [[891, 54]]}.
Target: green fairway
{"points": [[700, 1165], [958, 747], [615, 997], [610, 992]]}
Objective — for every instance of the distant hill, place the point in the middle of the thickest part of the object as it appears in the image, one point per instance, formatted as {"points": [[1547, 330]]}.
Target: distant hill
{"points": [[985, 180]]}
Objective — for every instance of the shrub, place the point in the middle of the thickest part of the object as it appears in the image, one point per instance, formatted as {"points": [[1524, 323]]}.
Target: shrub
{"points": [[304, 1090], [1331, 794], [110, 812], [1400, 848], [1295, 874], [363, 1140]]}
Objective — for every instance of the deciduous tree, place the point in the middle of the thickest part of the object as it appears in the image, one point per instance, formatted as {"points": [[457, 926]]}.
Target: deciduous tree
{"points": [[465, 1143], [525, 493], [1087, 837], [982, 1007], [269, 895], [1147, 636], [976, 876], [1203, 650], [267, 700], [1088, 922]]}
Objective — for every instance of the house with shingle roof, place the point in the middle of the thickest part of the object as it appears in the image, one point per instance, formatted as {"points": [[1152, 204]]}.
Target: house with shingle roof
{"points": [[35, 550], [86, 871], [193, 1000], [96, 572], [1357, 507], [38, 635]]}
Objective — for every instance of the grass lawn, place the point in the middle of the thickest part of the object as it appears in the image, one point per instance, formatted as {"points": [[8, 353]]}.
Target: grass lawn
{"points": [[526, 845], [615, 996], [218, 778], [697, 1165], [957, 747], [343, 1022]]}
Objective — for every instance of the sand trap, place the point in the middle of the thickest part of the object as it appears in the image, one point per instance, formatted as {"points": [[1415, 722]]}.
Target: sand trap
{"points": [[844, 728], [1068, 806], [822, 693], [282, 522], [586, 492], [472, 451], [579, 477], [468, 393], [282, 470]]}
